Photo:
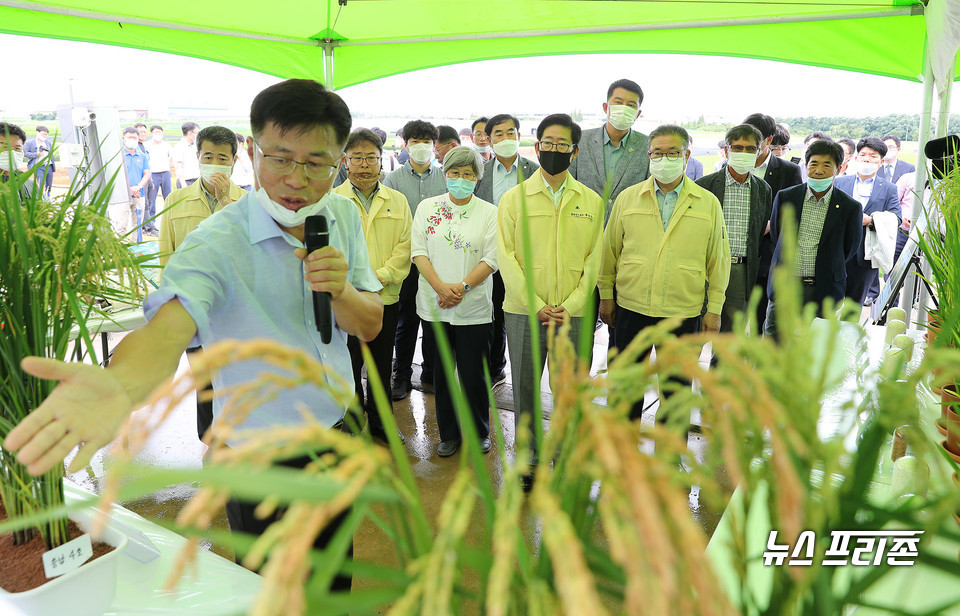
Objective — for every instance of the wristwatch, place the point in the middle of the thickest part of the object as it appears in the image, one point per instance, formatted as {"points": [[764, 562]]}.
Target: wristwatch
{"points": [[466, 287]]}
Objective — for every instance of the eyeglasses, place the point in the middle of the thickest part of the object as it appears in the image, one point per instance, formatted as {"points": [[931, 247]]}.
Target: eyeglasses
{"points": [[779, 149], [357, 161], [749, 149], [669, 155], [286, 166], [549, 146], [469, 175]]}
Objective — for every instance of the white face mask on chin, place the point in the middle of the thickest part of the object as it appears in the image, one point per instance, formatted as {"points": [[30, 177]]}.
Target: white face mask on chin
{"points": [[288, 218]]}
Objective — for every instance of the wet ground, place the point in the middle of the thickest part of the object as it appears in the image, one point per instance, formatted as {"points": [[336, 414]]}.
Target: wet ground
{"points": [[175, 444]]}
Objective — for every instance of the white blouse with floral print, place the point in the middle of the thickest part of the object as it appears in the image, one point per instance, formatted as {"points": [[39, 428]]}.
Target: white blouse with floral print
{"points": [[456, 238]]}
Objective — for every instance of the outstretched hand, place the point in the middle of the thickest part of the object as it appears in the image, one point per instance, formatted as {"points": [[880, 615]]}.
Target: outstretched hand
{"points": [[86, 408]]}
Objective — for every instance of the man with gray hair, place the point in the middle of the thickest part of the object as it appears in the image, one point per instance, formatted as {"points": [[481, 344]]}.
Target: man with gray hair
{"points": [[665, 240], [746, 201]]}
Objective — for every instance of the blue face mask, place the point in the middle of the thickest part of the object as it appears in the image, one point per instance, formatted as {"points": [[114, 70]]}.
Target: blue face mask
{"points": [[460, 188], [819, 185]]}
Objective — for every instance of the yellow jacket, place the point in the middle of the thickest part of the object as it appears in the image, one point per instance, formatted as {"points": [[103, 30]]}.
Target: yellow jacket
{"points": [[386, 228], [183, 210], [565, 245], [662, 273]]}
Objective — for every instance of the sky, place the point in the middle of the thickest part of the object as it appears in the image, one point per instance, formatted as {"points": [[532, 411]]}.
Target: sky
{"points": [[676, 87]]}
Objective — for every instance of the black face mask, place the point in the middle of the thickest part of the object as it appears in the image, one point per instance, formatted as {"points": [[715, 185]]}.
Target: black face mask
{"points": [[555, 162]]}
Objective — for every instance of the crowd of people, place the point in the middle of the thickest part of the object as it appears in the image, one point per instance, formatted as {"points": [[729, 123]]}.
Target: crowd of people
{"points": [[605, 221]]}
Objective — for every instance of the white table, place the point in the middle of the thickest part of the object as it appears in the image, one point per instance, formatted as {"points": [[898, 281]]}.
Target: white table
{"points": [[216, 587], [126, 319]]}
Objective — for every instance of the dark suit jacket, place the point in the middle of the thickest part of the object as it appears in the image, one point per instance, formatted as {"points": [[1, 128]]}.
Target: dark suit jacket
{"points": [[587, 167], [761, 204], [31, 153], [883, 198], [839, 240], [780, 174], [484, 188], [900, 168]]}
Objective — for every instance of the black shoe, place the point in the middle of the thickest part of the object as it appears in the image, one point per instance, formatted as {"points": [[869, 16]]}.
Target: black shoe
{"points": [[426, 384], [401, 388], [378, 433], [499, 379], [526, 482], [486, 445], [447, 448]]}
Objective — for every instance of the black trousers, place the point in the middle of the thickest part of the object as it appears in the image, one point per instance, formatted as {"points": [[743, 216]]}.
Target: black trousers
{"points": [[629, 324], [408, 325], [470, 346], [204, 408], [859, 280], [498, 347], [240, 515], [381, 348]]}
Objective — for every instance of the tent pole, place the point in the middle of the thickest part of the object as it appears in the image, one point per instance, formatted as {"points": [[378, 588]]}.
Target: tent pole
{"points": [[328, 82], [919, 211], [943, 118]]}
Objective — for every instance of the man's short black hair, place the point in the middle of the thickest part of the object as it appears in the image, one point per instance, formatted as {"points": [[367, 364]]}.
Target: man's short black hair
{"points": [[155, 127], [824, 146], [817, 134], [13, 130], [473, 125], [743, 131], [241, 139], [43, 129], [447, 133], [874, 144], [847, 141], [781, 137], [131, 129], [379, 132], [418, 129], [301, 105], [363, 135], [560, 119], [218, 135], [189, 126], [763, 123], [894, 138], [466, 132], [137, 125], [673, 130], [628, 85], [500, 118]]}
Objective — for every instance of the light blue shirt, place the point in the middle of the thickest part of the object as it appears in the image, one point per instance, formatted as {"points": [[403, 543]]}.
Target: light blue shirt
{"points": [[237, 277], [862, 189], [612, 155], [667, 202], [415, 186], [504, 179]]}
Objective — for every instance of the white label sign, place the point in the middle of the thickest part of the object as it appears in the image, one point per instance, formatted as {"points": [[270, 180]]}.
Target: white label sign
{"points": [[67, 557]]}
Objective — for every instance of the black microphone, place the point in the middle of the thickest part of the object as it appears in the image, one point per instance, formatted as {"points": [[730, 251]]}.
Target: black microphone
{"points": [[316, 236]]}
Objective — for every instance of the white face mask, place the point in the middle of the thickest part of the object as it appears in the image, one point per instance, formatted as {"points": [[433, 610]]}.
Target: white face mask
{"points": [[666, 171], [131, 144], [5, 160], [621, 117], [208, 171], [742, 162], [484, 149], [889, 156], [506, 148], [158, 138], [867, 169], [289, 218], [420, 153]]}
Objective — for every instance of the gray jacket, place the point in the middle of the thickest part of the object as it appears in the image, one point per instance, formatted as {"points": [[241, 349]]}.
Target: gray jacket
{"points": [[761, 204], [588, 166], [484, 188]]}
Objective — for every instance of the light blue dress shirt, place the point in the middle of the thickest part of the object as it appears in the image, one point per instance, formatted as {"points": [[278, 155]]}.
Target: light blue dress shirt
{"points": [[612, 155], [237, 277], [667, 202], [504, 179], [862, 189]]}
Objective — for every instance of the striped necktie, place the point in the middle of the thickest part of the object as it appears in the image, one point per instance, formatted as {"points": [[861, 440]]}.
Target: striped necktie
{"points": [[889, 172]]}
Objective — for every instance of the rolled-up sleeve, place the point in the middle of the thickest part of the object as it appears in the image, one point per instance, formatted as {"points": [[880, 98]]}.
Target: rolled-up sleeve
{"points": [[490, 241]]}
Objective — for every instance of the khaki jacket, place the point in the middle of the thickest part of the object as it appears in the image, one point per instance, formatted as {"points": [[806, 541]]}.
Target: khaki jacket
{"points": [[662, 273], [386, 228], [565, 245], [183, 210]]}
